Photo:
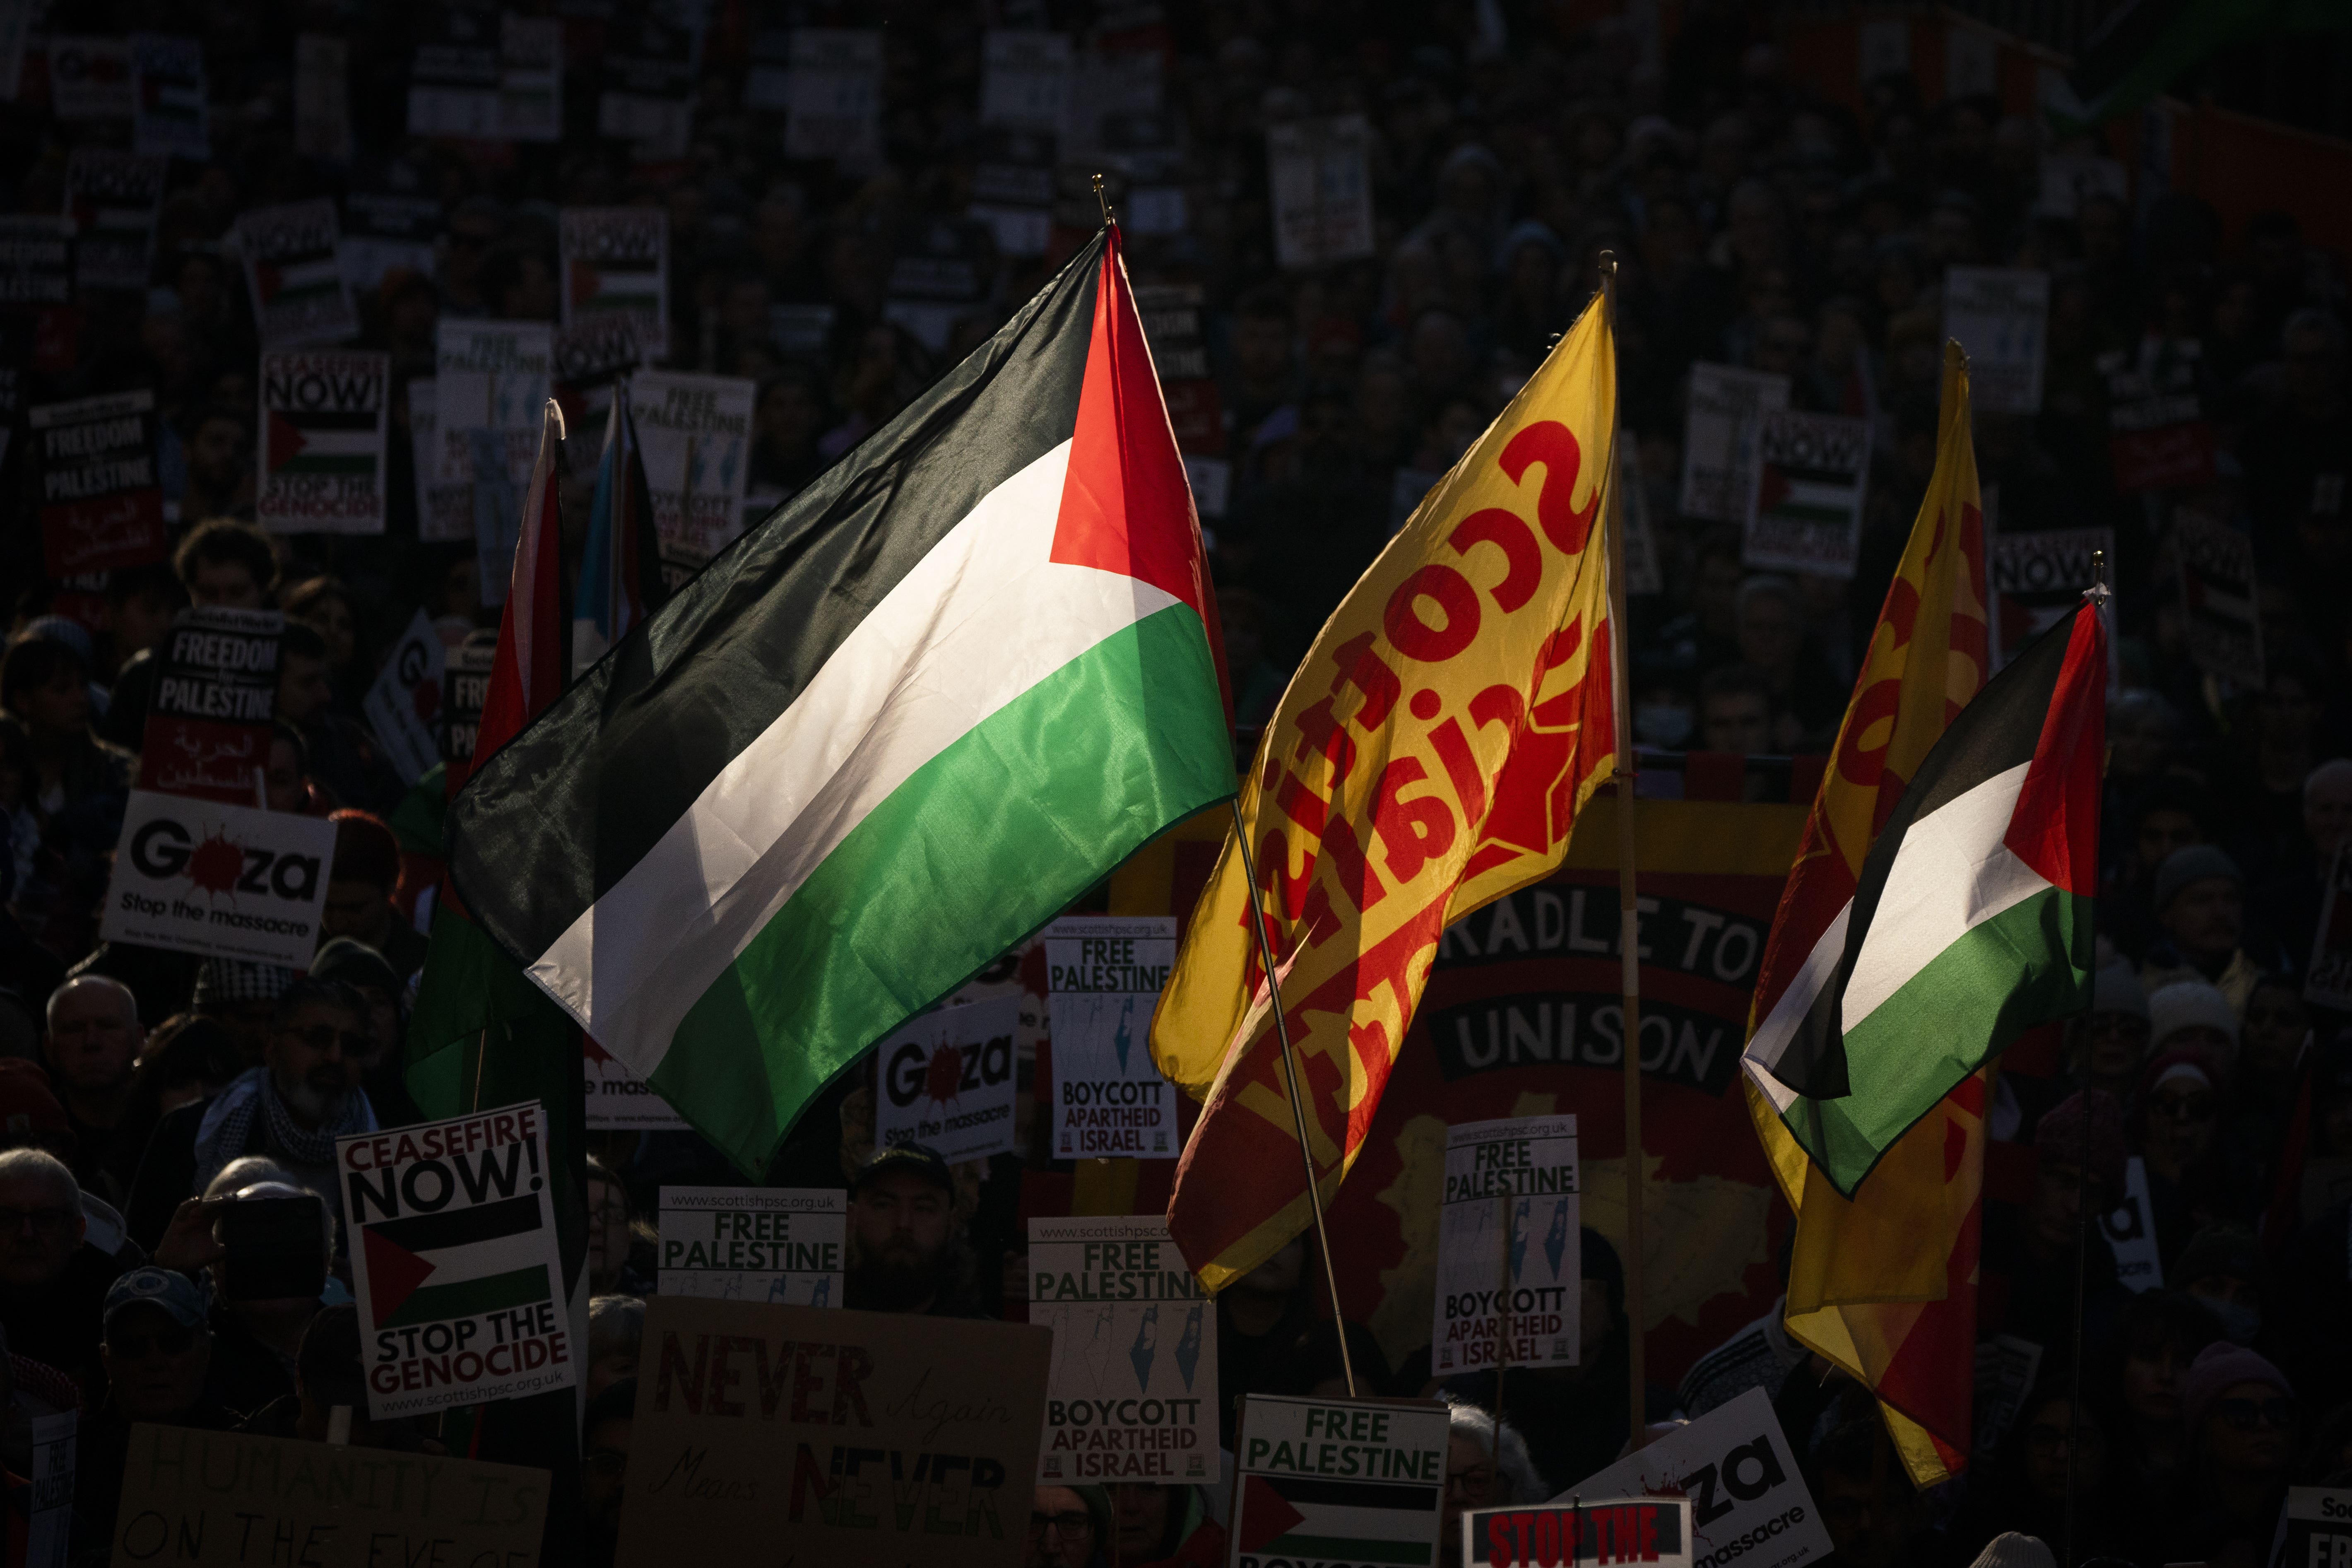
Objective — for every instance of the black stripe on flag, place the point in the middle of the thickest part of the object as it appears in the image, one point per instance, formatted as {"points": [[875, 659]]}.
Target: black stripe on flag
{"points": [[457, 1227], [561, 813], [1353, 1494], [1995, 732], [328, 419]]}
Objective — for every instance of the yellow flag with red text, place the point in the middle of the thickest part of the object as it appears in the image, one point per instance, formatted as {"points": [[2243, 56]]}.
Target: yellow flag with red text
{"points": [[1429, 757], [1885, 1285]]}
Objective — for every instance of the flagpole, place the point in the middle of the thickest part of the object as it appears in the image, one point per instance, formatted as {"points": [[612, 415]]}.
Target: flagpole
{"points": [[2097, 597], [1628, 914], [1297, 1105]]}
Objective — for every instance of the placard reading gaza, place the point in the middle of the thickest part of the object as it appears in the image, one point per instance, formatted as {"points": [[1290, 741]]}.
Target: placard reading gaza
{"points": [[1133, 1393], [754, 1244], [1747, 1499], [1103, 976], [774, 1434], [459, 1283], [208, 717], [323, 417], [227, 881], [1338, 1481], [1629, 1529], [946, 1081], [1511, 1199], [403, 706]]}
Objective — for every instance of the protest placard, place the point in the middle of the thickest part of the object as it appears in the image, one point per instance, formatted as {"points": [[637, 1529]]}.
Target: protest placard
{"points": [[2000, 315], [2031, 580], [111, 199], [2159, 437], [465, 686], [937, 278], [209, 712], [1104, 976], [459, 1284], [833, 95], [1133, 1392], [404, 704], [2216, 567], [2130, 1228], [232, 1499], [1747, 1491], [445, 510], [35, 260], [2005, 1369], [1013, 189], [225, 881], [2328, 984], [322, 98], [1720, 422], [1024, 79], [1560, 1535], [16, 19], [1510, 1207], [294, 275], [947, 1080], [1171, 314], [648, 97], [616, 263], [619, 1100], [89, 77], [1318, 174], [2314, 1528], [168, 118], [490, 377], [1812, 473], [1106, 84], [695, 433], [101, 506], [856, 1437], [1338, 1481], [388, 228], [754, 1244], [474, 83], [49, 1531], [324, 418]]}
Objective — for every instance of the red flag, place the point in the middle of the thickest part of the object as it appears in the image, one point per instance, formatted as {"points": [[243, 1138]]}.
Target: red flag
{"points": [[529, 671]]}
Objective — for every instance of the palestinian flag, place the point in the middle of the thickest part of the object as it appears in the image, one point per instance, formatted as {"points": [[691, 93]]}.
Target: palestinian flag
{"points": [[458, 1263], [283, 285], [323, 441], [878, 740], [1306, 1519], [1970, 921], [618, 285]]}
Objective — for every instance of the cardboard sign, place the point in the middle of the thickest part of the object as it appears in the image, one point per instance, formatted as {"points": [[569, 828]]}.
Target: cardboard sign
{"points": [[294, 275], [230, 1500], [89, 77], [112, 200], [1746, 1489], [465, 688], [1133, 1392], [1104, 976], [2216, 564], [404, 705], [2314, 1528], [649, 98], [167, 85], [2329, 983], [324, 418], [1720, 422], [490, 377], [459, 1284], [754, 1244], [101, 506], [2002, 316], [617, 263], [841, 1436], [35, 260], [1330, 1481], [695, 433], [2031, 580], [1812, 474], [50, 1530], [621, 1102], [2130, 1228], [445, 511], [2005, 1370], [947, 1080], [2160, 439], [834, 97], [1171, 314], [1511, 1212], [227, 881], [1013, 189], [1319, 172], [1625, 1530], [322, 98], [208, 718], [1025, 78]]}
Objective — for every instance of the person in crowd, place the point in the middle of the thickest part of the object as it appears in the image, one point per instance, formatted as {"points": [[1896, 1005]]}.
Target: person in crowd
{"points": [[79, 786], [1770, 616], [156, 1350], [604, 1464], [94, 1039], [1159, 1525], [255, 1338], [220, 564], [621, 1256], [1736, 712], [2222, 1270], [2029, 1284], [187, 1058], [2199, 900], [241, 996], [338, 750], [2172, 1123], [329, 1399], [325, 606], [1260, 1318], [2243, 1424], [2138, 1372], [2191, 1014], [907, 1251], [52, 1284], [2169, 814], [1873, 1517], [1068, 1528], [616, 1328], [1486, 1466], [2115, 1033], [362, 885]]}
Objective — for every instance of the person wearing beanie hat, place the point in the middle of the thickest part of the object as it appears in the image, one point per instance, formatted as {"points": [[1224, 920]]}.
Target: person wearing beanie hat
{"points": [[2221, 1267], [2173, 1118], [2243, 1423], [2115, 1035], [1068, 1527], [2192, 1013], [2200, 904]]}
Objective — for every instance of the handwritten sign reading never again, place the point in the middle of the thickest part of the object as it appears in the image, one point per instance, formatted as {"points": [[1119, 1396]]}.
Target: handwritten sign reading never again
{"points": [[857, 1436]]}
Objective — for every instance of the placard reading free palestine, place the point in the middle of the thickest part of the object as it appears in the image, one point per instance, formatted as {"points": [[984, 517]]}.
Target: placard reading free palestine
{"points": [[1133, 1391], [1339, 1481], [1104, 976]]}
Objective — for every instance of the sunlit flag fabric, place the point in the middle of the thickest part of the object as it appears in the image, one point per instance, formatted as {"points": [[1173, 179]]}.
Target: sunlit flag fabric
{"points": [[620, 562], [886, 734]]}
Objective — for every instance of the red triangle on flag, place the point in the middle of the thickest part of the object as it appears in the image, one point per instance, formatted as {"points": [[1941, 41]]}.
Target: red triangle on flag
{"points": [[393, 1273], [586, 281], [1266, 1514], [285, 442], [267, 279]]}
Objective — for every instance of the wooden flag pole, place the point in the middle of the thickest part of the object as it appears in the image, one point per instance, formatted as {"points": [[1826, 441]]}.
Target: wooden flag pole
{"points": [[1290, 1081], [1628, 914]]}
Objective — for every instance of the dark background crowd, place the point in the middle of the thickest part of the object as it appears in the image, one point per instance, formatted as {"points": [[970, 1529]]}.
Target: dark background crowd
{"points": [[1759, 220]]}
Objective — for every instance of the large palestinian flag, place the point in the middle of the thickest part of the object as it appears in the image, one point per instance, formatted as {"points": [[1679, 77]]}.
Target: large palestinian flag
{"points": [[884, 736], [1970, 923]]}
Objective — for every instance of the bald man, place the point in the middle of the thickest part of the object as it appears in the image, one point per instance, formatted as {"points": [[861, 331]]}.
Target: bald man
{"points": [[94, 1039]]}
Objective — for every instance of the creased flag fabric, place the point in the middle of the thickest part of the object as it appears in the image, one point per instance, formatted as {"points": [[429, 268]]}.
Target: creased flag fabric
{"points": [[322, 441], [1969, 924], [1429, 757], [529, 667], [885, 735], [620, 562], [1884, 1284]]}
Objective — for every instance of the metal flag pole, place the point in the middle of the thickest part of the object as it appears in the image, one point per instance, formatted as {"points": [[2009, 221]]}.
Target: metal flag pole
{"points": [[1628, 914], [1290, 1081], [2097, 598]]}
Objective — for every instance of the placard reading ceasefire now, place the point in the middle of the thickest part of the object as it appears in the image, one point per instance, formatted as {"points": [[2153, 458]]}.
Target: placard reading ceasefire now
{"points": [[1133, 1393]]}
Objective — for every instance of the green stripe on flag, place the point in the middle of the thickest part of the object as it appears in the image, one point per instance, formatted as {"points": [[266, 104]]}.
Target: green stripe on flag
{"points": [[355, 463], [468, 1297], [1344, 1549], [982, 844]]}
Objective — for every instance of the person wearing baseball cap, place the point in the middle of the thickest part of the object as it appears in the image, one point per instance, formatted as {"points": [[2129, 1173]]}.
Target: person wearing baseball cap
{"points": [[907, 1251], [156, 1347]]}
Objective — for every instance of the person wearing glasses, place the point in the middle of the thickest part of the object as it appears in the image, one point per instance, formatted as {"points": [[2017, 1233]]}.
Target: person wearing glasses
{"points": [[52, 1285], [1069, 1527], [2243, 1427], [604, 1464], [156, 1349], [305, 1094]]}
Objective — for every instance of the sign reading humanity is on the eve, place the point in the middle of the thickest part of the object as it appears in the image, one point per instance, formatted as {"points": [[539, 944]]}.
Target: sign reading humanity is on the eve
{"points": [[1103, 978], [227, 881], [460, 1286], [1511, 1206], [754, 1244], [1339, 1481], [1133, 1392]]}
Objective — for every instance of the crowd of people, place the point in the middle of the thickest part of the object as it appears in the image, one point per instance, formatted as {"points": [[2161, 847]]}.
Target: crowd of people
{"points": [[1758, 221]]}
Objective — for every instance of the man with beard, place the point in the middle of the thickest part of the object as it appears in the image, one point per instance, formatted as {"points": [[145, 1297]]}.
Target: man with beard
{"points": [[305, 1094], [94, 1040], [907, 1246]]}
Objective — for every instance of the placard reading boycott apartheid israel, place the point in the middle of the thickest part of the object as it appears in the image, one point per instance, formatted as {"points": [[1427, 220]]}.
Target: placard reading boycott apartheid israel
{"points": [[1338, 1481], [1133, 1394], [754, 1244], [460, 1286], [777, 1434], [1103, 976], [230, 1499], [1511, 1193], [1747, 1499], [1558, 1535]]}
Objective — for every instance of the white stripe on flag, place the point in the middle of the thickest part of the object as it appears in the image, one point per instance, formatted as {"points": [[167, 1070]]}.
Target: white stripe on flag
{"points": [[335, 443], [980, 620], [1770, 1041]]}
